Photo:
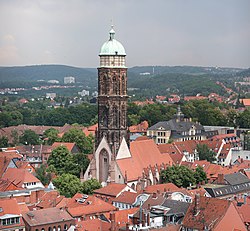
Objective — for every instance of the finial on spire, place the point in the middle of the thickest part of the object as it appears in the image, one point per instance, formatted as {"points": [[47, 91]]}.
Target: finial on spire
{"points": [[112, 31]]}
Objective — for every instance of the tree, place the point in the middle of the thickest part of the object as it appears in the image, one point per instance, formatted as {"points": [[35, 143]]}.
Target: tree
{"points": [[90, 185], [84, 143], [82, 162], [205, 153], [52, 136], [4, 142], [62, 161], [181, 176], [67, 184], [43, 175], [244, 119], [199, 175], [29, 137], [15, 137]]}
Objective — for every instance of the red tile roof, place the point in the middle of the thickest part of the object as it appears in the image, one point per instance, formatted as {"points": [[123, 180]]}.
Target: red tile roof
{"points": [[211, 210], [46, 216], [144, 154], [122, 216], [90, 206], [9, 206], [244, 210], [112, 189], [246, 102], [168, 187], [126, 197], [69, 146], [188, 98], [94, 224], [49, 199], [19, 176], [6, 185], [139, 128]]}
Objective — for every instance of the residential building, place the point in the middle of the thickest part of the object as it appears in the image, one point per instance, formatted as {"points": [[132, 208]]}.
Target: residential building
{"points": [[10, 216], [176, 129], [111, 191], [50, 95], [48, 219], [69, 79], [22, 178], [83, 93], [212, 214]]}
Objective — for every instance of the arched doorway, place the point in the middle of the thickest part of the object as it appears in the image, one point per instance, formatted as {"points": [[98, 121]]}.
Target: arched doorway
{"points": [[103, 165]]}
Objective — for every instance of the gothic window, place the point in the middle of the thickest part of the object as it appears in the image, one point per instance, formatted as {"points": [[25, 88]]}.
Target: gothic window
{"points": [[123, 87], [114, 85], [115, 116], [103, 165], [104, 85], [124, 115]]}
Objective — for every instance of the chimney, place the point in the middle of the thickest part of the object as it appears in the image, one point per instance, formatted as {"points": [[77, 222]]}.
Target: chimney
{"points": [[112, 219], [148, 219], [158, 191], [196, 204], [143, 218], [220, 179], [154, 195], [127, 226], [149, 206]]}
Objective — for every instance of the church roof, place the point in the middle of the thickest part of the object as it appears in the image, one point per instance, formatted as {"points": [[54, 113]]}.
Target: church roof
{"points": [[112, 46], [144, 153]]}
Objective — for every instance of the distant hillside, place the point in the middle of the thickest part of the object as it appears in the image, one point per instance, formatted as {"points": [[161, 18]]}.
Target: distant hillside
{"points": [[150, 80], [191, 70], [245, 73], [47, 72]]}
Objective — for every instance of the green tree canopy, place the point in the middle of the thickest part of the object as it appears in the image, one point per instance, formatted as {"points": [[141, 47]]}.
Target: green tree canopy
{"points": [[181, 176], [62, 160], [29, 137], [52, 136], [244, 119], [42, 175], [199, 175], [90, 185], [68, 184], [4, 142], [205, 153], [84, 143]]}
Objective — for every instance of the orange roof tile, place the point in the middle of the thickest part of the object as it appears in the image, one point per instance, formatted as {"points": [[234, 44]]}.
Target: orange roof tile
{"points": [[69, 146], [49, 199], [6, 185], [90, 206], [126, 197], [23, 208], [9, 206], [168, 187], [122, 216], [246, 102], [139, 128], [211, 210], [112, 189], [19, 176], [94, 224], [46, 216], [144, 153]]}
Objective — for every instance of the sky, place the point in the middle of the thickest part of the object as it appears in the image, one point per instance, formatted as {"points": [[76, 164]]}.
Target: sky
{"points": [[153, 32]]}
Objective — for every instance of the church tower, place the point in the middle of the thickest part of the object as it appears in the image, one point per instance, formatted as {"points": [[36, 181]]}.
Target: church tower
{"points": [[112, 94]]}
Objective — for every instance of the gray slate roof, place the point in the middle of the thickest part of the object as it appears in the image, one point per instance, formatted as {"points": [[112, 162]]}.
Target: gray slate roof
{"points": [[228, 190], [176, 207], [236, 178]]}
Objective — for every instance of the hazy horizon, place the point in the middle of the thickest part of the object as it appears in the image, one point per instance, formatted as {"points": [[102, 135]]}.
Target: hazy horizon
{"points": [[154, 33]]}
